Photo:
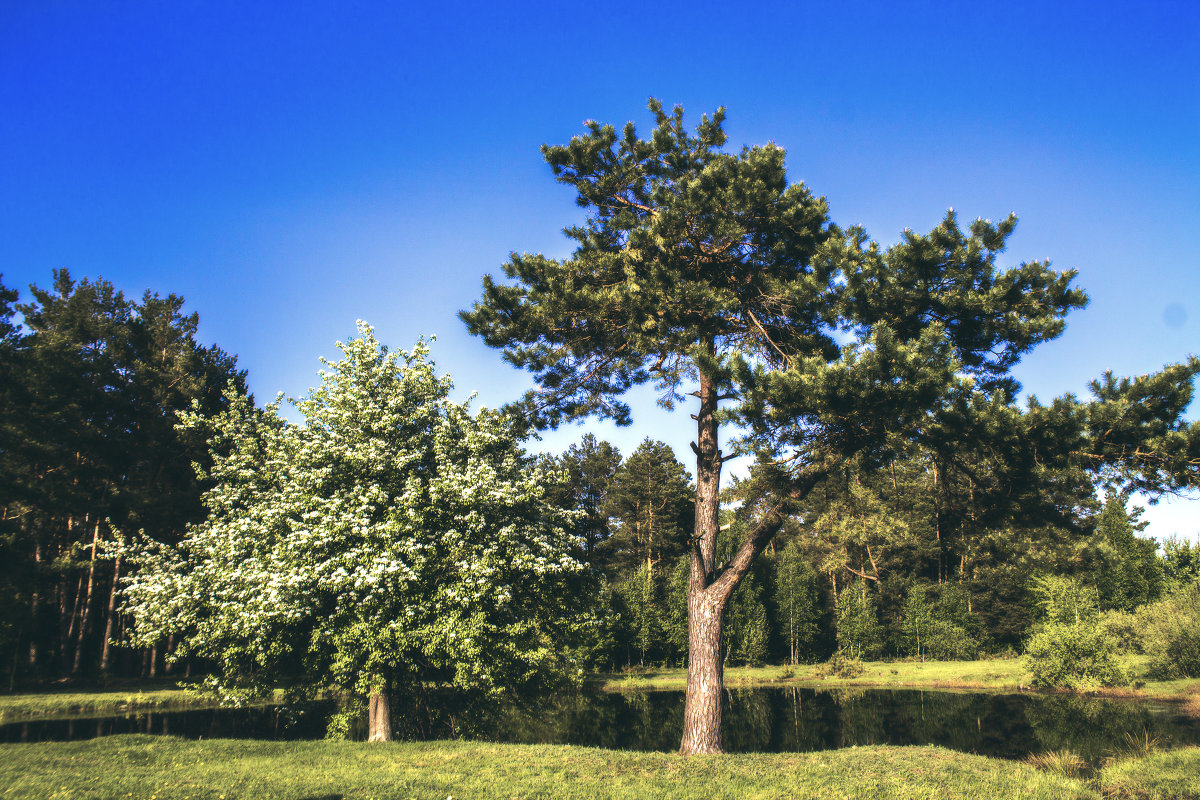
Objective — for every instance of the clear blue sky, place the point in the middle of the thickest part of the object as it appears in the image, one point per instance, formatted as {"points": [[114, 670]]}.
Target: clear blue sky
{"points": [[292, 167]]}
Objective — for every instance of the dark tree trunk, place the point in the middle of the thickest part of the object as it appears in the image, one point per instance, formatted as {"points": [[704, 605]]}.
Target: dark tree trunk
{"points": [[34, 605], [379, 714], [106, 648], [86, 620]]}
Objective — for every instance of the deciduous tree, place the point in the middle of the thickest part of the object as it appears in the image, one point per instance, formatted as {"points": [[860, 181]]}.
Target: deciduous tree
{"points": [[389, 543]]}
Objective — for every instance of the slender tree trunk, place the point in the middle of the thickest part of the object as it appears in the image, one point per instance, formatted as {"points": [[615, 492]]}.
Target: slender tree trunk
{"points": [[34, 604], [106, 648], [85, 621], [379, 714], [706, 609], [67, 634]]}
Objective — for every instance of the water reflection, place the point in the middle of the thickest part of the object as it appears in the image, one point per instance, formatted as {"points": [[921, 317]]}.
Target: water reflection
{"points": [[756, 720]]}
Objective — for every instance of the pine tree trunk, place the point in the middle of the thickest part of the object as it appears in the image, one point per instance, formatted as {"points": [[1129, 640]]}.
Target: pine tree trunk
{"points": [[379, 714], [702, 705], [106, 648], [85, 621], [34, 603]]}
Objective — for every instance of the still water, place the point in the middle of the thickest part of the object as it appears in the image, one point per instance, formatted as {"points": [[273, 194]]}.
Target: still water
{"points": [[756, 720]]}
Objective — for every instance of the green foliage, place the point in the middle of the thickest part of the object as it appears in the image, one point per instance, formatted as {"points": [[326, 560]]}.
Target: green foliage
{"points": [[649, 499], [1131, 574], [1069, 648], [1065, 600], [1073, 655], [640, 601], [841, 665], [797, 602], [941, 628], [91, 384], [1180, 562], [1125, 628], [858, 629], [391, 539], [747, 628], [1172, 634], [588, 470]]}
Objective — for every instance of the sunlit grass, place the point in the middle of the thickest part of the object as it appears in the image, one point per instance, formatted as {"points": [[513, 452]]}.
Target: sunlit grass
{"points": [[996, 674], [164, 768], [30, 705], [1170, 775]]}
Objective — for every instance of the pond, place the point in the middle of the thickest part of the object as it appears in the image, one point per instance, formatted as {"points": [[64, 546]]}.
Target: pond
{"points": [[772, 719]]}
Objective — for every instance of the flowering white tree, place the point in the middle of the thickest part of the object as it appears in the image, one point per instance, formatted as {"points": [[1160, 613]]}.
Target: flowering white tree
{"points": [[391, 540]]}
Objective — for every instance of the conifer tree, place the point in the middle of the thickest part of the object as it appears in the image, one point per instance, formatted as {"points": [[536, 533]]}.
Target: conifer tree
{"points": [[711, 276]]}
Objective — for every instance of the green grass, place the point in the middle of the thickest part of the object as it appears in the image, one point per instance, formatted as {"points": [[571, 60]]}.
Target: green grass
{"points": [[990, 674], [31, 705], [162, 768], [1173, 775], [1000, 674]]}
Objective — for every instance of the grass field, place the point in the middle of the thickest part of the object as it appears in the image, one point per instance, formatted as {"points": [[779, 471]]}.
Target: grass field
{"points": [[986, 675], [164, 768]]}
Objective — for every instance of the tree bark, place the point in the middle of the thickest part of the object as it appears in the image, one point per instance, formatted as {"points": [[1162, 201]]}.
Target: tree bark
{"points": [[702, 704], [106, 648], [379, 714], [85, 621], [33, 607]]}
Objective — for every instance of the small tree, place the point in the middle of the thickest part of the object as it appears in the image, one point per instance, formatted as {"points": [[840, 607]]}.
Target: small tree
{"points": [[1069, 649], [797, 601], [858, 629], [392, 541]]}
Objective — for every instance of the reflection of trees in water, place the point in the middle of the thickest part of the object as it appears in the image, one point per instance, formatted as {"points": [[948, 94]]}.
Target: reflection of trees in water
{"points": [[1095, 727], [748, 721], [792, 719]]}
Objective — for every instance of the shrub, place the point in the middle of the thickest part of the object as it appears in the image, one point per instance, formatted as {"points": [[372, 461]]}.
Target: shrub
{"points": [[841, 665], [1077, 656], [1126, 629], [1172, 635]]}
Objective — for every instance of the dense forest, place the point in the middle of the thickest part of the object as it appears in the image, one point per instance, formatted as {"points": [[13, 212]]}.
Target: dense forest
{"points": [[934, 554], [90, 386]]}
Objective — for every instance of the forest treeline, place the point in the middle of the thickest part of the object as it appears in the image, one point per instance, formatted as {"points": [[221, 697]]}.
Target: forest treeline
{"points": [[90, 385], [904, 561], [941, 555]]}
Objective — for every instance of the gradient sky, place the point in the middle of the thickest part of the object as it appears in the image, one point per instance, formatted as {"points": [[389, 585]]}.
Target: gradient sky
{"points": [[292, 167]]}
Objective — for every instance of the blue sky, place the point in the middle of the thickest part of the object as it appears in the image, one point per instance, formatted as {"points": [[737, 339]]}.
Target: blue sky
{"points": [[292, 167]]}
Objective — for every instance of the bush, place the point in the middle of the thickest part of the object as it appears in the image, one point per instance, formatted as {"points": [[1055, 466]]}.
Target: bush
{"points": [[841, 665], [1126, 629], [1077, 656], [1172, 635]]}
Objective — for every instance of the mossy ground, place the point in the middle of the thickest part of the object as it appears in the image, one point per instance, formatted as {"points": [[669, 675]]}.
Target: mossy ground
{"points": [[162, 768]]}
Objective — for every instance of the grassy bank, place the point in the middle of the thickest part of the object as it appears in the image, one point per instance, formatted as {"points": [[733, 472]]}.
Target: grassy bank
{"points": [[1007, 674], [165, 768], [98, 702], [1160, 776]]}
